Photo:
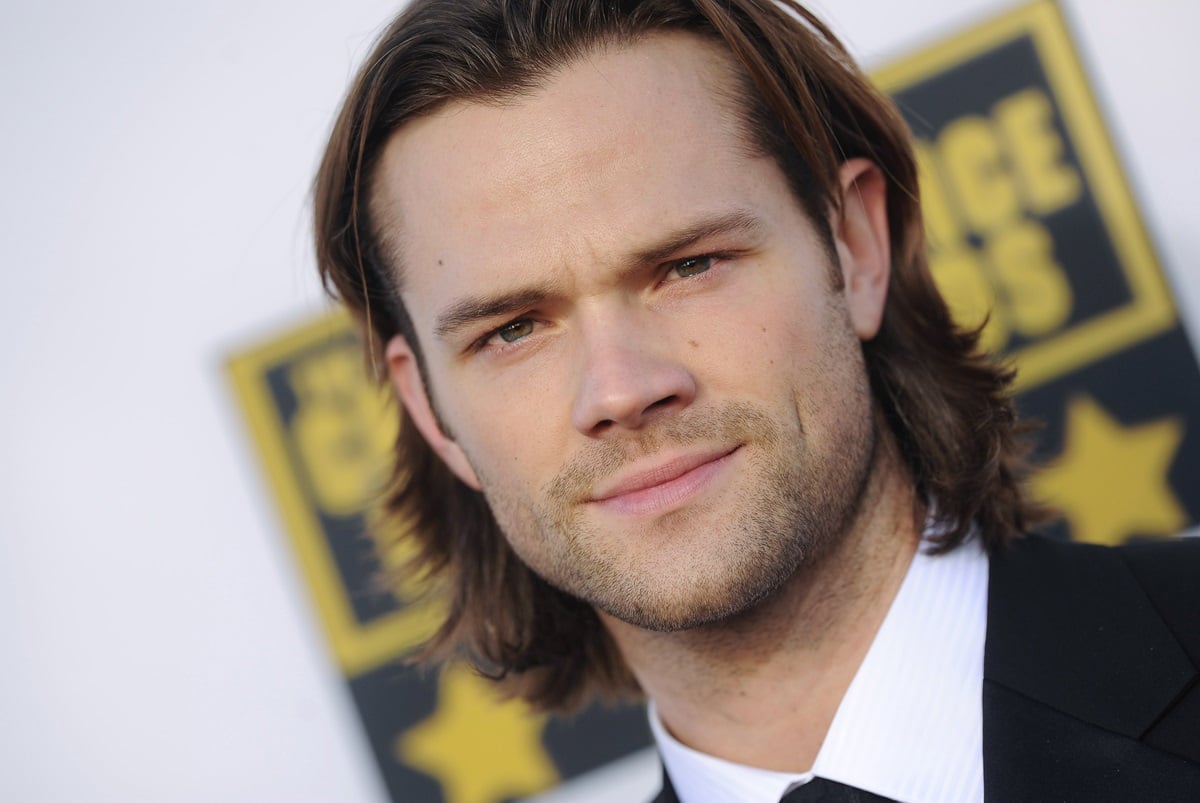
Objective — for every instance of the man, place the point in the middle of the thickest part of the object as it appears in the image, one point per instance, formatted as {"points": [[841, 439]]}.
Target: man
{"points": [[684, 416]]}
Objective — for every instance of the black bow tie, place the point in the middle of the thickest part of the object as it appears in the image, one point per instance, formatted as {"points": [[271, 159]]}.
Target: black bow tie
{"points": [[821, 790]]}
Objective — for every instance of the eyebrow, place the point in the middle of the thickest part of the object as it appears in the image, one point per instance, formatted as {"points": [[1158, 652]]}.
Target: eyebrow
{"points": [[468, 311], [736, 221]]}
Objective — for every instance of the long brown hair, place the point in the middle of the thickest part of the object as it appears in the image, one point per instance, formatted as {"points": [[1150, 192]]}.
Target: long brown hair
{"points": [[807, 105]]}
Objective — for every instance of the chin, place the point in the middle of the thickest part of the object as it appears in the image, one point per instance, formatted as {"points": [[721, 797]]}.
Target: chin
{"points": [[681, 596]]}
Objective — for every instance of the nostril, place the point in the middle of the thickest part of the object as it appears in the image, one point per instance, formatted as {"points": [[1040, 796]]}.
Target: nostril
{"points": [[663, 402]]}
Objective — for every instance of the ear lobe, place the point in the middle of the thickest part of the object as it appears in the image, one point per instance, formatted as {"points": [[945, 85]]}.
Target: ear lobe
{"points": [[410, 387], [860, 232]]}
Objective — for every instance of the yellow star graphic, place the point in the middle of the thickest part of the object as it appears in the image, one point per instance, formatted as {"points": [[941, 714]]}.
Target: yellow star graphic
{"points": [[482, 750], [1111, 480]]}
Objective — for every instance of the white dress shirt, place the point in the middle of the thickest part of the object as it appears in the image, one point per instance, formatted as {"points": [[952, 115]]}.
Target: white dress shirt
{"points": [[910, 726]]}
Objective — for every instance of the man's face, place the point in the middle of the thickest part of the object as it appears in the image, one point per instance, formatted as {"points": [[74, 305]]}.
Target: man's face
{"points": [[632, 335]]}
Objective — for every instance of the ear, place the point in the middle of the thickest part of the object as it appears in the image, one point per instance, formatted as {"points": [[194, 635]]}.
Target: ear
{"points": [[410, 387], [860, 233]]}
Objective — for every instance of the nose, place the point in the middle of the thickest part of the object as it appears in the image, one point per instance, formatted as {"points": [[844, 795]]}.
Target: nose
{"points": [[626, 381]]}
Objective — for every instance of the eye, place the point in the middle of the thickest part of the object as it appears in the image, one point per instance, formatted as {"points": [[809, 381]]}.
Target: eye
{"points": [[692, 266], [514, 331]]}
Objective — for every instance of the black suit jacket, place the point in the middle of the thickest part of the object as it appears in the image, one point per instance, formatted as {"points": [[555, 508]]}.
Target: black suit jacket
{"points": [[1091, 688]]}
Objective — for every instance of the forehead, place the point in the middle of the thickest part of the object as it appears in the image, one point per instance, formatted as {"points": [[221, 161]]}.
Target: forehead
{"points": [[611, 146]]}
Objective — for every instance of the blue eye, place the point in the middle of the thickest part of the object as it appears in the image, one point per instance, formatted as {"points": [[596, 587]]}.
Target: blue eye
{"points": [[692, 266], [512, 332]]}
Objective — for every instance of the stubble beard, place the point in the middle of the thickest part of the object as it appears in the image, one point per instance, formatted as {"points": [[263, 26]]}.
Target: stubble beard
{"points": [[700, 565]]}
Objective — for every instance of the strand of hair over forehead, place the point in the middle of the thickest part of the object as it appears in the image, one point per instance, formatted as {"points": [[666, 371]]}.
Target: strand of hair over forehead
{"points": [[828, 139], [371, 77], [527, 24], [775, 92]]}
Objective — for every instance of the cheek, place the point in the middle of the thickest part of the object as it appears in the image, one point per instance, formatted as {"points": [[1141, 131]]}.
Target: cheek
{"points": [[814, 360], [758, 345], [514, 439]]}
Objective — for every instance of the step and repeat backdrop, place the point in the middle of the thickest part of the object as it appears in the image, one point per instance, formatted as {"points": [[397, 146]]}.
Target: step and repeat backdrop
{"points": [[1032, 227]]}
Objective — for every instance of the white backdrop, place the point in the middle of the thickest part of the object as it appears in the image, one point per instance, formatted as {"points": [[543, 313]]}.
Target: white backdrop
{"points": [[157, 642]]}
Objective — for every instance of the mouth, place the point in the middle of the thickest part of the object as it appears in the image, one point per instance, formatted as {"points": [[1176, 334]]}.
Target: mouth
{"points": [[666, 485]]}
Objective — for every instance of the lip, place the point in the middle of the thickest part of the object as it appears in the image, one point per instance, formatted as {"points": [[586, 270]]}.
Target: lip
{"points": [[665, 485]]}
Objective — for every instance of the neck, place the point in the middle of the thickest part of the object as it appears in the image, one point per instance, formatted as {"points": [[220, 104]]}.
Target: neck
{"points": [[762, 688]]}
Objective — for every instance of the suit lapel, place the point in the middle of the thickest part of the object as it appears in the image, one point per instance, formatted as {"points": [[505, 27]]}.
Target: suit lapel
{"points": [[1069, 627], [1035, 752], [1078, 667]]}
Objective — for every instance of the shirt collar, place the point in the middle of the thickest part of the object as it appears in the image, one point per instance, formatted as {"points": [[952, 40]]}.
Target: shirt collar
{"points": [[910, 726]]}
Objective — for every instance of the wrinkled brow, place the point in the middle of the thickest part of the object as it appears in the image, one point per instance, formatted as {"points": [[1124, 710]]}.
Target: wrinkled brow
{"points": [[739, 220], [467, 311]]}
